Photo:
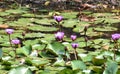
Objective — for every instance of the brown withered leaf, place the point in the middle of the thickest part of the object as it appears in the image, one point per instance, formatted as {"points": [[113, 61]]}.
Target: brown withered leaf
{"points": [[106, 47], [87, 18], [3, 26]]}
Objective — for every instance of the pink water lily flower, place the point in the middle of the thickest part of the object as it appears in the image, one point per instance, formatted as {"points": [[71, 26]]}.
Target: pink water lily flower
{"points": [[73, 37], [58, 18], [74, 45], [59, 36], [115, 36], [15, 41], [9, 31]]}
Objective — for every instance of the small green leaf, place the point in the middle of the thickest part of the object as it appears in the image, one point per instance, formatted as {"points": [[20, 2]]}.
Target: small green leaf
{"points": [[77, 64]]}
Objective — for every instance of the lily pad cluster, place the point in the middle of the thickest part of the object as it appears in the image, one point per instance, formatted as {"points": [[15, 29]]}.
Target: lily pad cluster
{"points": [[37, 43]]}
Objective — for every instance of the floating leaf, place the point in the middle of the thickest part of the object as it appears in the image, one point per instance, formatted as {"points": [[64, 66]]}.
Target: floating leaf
{"points": [[15, 11], [105, 29], [20, 70], [26, 50], [85, 57], [38, 62], [98, 61], [31, 42], [38, 46], [59, 62], [42, 28], [97, 69], [45, 21], [70, 23], [34, 35], [69, 15], [57, 48], [111, 68], [1, 53], [68, 71], [4, 14], [98, 41], [77, 64]]}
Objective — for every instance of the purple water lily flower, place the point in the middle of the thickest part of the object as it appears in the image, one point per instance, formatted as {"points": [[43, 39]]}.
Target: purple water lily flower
{"points": [[58, 18], [74, 45], [9, 31], [59, 36], [15, 41], [73, 37], [115, 36]]}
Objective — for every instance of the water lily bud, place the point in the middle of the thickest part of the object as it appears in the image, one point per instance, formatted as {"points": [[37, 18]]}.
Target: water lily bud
{"points": [[15, 41], [85, 28], [58, 18], [73, 37], [9, 31], [75, 45], [115, 36], [66, 48], [23, 33], [59, 36]]}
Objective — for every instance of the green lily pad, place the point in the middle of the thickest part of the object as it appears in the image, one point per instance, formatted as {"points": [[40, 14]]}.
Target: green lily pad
{"points": [[4, 14], [57, 48], [111, 68], [42, 28], [87, 12], [39, 62], [69, 15], [28, 15], [26, 50], [77, 64], [20, 70], [15, 11], [68, 71], [38, 46], [105, 29], [59, 62], [70, 23], [44, 21], [33, 35], [98, 61], [97, 69], [1, 19], [85, 57], [102, 14], [1, 53], [112, 20], [80, 26]]}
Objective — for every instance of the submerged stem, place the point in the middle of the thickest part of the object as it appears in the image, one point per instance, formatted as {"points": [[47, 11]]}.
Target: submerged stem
{"points": [[59, 26], [116, 46], [10, 40], [75, 53], [114, 57]]}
